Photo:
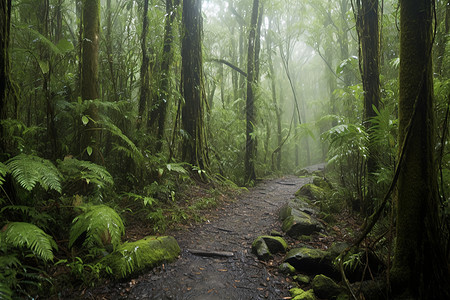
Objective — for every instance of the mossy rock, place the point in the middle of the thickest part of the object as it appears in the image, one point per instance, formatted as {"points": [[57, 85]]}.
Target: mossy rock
{"points": [[286, 268], [264, 246], [299, 294], [260, 249], [311, 261], [325, 287], [311, 191], [134, 257], [300, 223], [302, 278], [322, 183]]}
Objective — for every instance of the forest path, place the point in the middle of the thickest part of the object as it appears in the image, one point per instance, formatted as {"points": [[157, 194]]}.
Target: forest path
{"points": [[232, 229]]}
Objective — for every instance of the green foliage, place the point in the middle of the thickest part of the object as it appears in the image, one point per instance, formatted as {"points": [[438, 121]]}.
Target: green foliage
{"points": [[88, 273], [28, 170], [101, 224], [75, 170], [3, 171], [29, 236]]}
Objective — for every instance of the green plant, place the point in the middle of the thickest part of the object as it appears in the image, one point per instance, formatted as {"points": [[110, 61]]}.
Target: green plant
{"points": [[28, 170], [100, 226], [19, 242], [88, 273]]}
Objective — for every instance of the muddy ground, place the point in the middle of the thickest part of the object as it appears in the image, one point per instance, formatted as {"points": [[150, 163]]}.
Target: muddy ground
{"points": [[232, 229]]}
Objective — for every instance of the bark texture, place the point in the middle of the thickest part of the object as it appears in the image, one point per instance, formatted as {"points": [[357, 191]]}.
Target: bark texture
{"points": [[192, 116], [420, 269]]}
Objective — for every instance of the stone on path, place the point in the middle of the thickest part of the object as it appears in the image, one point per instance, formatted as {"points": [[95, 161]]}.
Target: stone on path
{"points": [[324, 287], [264, 246], [311, 261]]}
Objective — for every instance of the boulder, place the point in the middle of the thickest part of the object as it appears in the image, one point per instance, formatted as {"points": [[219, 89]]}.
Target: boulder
{"points": [[311, 191], [286, 268], [143, 254], [260, 249], [322, 182], [299, 294], [324, 287], [300, 223], [311, 261], [264, 246]]}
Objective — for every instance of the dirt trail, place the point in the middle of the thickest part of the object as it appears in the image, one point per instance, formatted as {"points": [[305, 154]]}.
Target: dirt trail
{"points": [[234, 228]]}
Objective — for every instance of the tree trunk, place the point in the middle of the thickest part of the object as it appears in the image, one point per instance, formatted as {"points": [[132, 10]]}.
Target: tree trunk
{"points": [[276, 165], [368, 33], [145, 80], [162, 99], [250, 145], [89, 79], [5, 22], [420, 268], [194, 149]]}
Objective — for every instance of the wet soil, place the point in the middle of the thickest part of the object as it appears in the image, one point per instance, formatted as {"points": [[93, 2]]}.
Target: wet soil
{"points": [[232, 229]]}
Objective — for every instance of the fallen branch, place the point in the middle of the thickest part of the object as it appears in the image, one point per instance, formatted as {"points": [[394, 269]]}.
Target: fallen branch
{"points": [[211, 253]]}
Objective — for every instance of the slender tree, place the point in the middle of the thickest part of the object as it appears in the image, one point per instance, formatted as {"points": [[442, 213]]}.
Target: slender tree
{"points": [[194, 149], [367, 26], [144, 75], [5, 22], [250, 146], [420, 269], [89, 78]]}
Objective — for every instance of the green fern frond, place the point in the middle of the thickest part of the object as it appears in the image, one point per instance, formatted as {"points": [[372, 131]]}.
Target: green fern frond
{"points": [[3, 171], [5, 292], [74, 169], [137, 154], [28, 170], [102, 226], [21, 234]]}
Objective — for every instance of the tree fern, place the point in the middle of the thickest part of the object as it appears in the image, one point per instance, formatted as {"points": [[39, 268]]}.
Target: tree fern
{"points": [[101, 224], [74, 170], [21, 234], [28, 170]]}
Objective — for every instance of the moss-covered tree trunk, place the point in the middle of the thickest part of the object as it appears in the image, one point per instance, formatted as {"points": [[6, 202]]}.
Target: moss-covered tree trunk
{"points": [[369, 37], [144, 73], [89, 79], [250, 145], [5, 17], [194, 149], [420, 269], [158, 115]]}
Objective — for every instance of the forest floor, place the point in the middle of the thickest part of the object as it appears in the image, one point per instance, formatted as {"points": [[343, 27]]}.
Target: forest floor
{"points": [[232, 227]]}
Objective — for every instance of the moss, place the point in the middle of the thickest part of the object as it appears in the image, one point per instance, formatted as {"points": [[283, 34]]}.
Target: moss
{"points": [[287, 223], [299, 294], [260, 249], [143, 254], [324, 287], [275, 243], [287, 268], [311, 191]]}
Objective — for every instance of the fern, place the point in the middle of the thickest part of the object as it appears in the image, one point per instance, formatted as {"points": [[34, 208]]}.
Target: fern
{"points": [[3, 171], [28, 170], [74, 170], [5, 291], [101, 224], [21, 234]]}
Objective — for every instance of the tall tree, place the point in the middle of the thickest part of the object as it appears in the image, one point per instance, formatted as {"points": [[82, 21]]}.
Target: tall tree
{"points": [[367, 27], [420, 269], [144, 74], [89, 78], [5, 22], [158, 115], [250, 145], [194, 149]]}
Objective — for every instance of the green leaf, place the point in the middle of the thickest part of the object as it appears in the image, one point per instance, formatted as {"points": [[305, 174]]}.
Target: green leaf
{"points": [[21, 234], [65, 45], [28, 170], [102, 226], [89, 150], [44, 66], [84, 120], [3, 171]]}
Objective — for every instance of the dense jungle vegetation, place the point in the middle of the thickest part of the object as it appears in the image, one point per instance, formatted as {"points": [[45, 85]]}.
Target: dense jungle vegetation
{"points": [[113, 110]]}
